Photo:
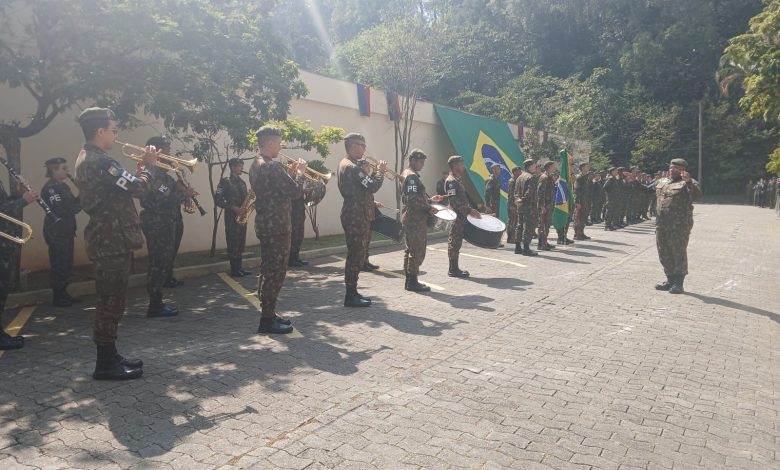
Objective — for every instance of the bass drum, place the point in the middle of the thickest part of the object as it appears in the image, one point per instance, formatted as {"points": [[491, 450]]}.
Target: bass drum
{"points": [[314, 191], [485, 232], [387, 226]]}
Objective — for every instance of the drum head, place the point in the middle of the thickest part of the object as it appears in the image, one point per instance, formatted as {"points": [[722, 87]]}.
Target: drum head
{"points": [[445, 213], [488, 222]]}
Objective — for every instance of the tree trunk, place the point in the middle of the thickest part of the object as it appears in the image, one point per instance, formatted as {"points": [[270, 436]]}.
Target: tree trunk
{"points": [[9, 137]]}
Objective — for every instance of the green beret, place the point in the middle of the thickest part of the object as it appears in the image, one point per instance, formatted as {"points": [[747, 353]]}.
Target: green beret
{"points": [[528, 162], [454, 159], [611, 169], [235, 162], [268, 131], [621, 169], [159, 141], [679, 162], [634, 168], [92, 114], [354, 136], [55, 161], [417, 154], [547, 164]]}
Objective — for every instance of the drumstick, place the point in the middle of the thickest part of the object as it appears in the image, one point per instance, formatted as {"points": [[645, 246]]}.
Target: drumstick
{"points": [[389, 208]]}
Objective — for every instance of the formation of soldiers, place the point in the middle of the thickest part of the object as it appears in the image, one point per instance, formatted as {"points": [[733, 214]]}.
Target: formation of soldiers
{"points": [[115, 229], [764, 193]]}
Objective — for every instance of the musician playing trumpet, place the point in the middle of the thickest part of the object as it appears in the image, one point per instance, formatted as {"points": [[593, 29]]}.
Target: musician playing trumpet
{"points": [[59, 235], [414, 217], [9, 205], [275, 189], [230, 195]]}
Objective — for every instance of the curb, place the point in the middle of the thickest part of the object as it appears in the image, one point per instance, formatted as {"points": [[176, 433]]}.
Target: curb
{"points": [[80, 289]]}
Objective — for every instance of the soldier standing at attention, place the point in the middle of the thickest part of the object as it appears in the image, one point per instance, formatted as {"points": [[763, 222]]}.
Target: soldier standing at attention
{"points": [[493, 191], [112, 234], [414, 217], [357, 185], [675, 195], [9, 205], [581, 201], [59, 235], [546, 201], [459, 202], [526, 201], [298, 221], [230, 196], [275, 190], [510, 205], [160, 208], [611, 196]]}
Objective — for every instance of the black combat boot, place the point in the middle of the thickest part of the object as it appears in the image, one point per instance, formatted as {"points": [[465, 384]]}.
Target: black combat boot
{"points": [[274, 326], [413, 285], [369, 266], [59, 298], [295, 261], [72, 299], [677, 287], [527, 251], [241, 269], [109, 365], [353, 299], [172, 283], [234, 270], [8, 342], [129, 363], [158, 309], [518, 248], [455, 270], [665, 285]]}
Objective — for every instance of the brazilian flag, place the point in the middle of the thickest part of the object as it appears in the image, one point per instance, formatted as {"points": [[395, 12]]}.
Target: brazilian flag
{"points": [[482, 142], [564, 202]]}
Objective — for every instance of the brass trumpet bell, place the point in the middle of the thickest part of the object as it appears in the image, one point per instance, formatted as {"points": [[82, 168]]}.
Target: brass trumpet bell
{"points": [[165, 162]]}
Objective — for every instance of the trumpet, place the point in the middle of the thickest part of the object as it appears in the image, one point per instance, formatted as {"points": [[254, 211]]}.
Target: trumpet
{"points": [[391, 175], [26, 230], [311, 173], [166, 162]]}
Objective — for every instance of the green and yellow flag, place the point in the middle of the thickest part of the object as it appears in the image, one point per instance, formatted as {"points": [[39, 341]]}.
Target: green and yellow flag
{"points": [[564, 202], [482, 143]]}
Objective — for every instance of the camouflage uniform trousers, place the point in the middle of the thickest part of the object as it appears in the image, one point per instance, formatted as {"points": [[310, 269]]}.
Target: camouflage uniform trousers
{"points": [[298, 222], [60, 258], [358, 237], [545, 221], [160, 233], [526, 225], [416, 239], [672, 244], [179, 231], [235, 236], [274, 255], [512, 211], [455, 242], [111, 276], [580, 219], [610, 212]]}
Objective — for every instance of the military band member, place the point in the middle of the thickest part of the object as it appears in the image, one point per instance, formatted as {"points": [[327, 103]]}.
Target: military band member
{"points": [[546, 203], [230, 196], [440, 184], [112, 234], [459, 202], [611, 199], [275, 189], [493, 191], [511, 209], [357, 185], [526, 201], [160, 209], [581, 202], [59, 235], [9, 205], [675, 195], [298, 221], [414, 217]]}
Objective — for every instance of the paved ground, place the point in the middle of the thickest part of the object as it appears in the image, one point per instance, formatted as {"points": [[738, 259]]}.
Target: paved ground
{"points": [[568, 360]]}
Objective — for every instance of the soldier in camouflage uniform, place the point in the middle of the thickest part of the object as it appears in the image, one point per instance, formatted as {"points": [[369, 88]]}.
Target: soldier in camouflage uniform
{"points": [[160, 205], [275, 190], [9, 205], [458, 201], [510, 205], [526, 202], [230, 195], [59, 235], [357, 185], [675, 194], [112, 234], [493, 191], [582, 195], [414, 218], [546, 203], [612, 195], [298, 221], [597, 195]]}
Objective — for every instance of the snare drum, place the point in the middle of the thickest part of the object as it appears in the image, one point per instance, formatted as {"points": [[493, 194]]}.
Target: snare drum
{"points": [[443, 219], [387, 226], [485, 232]]}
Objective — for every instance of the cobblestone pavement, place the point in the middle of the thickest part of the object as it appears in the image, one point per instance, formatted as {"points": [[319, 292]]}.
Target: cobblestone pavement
{"points": [[567, 360]]}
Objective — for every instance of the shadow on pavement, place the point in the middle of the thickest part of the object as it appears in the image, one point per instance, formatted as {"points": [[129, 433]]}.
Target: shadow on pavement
{"points": [[585, 254], [609, 242], [510, 283], [562, 260], [586, 246], [465, 302], [735, 305]]}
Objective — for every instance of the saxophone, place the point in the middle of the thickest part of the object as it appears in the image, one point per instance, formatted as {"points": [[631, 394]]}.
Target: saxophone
{"points": [[249, 203]]}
